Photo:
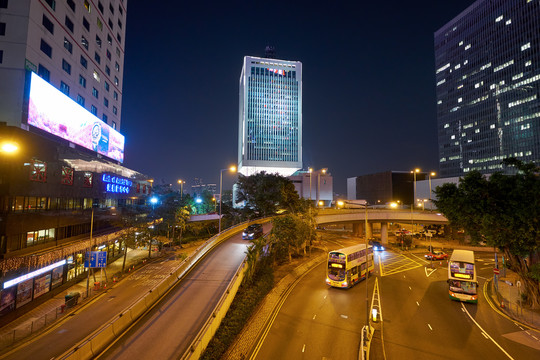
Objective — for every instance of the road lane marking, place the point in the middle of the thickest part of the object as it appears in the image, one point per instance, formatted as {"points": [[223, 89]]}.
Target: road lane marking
{"points": [[417, 303], [314, 316], [410, 288], [483, 331], [430, 328], [431, 272], [485, 335], [344, 316], [304, 348]]}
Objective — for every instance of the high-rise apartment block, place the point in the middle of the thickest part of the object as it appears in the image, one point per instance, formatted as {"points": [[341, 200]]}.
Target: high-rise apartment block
{"points": [[270, 128], [77, 46], [487, 63]]}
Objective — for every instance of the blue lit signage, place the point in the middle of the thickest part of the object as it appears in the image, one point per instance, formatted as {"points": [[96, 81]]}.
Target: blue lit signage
{"points": [[116, 184]]}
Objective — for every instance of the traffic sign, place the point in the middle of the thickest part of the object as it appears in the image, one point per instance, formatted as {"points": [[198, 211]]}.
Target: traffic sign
{"points": [[496, 271], [98, 259]]}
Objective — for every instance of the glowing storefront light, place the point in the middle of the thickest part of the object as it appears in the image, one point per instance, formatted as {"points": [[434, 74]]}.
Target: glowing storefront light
{"points": [[33, 274]]}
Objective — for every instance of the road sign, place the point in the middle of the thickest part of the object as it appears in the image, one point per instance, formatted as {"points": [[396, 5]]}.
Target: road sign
{"points": [[496, 271], [98, 259]]}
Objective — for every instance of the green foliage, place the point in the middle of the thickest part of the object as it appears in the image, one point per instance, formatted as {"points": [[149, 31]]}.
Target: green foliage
{"points": [[267, 193], [249, 295], [290, 234]]}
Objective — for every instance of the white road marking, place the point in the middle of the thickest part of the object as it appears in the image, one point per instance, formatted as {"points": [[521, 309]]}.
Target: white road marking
{"points": [[344, 316], [314, 316], [485, 335], [417, 303], [325, 296], [489, 337], [430, 328], [304, 348], [410, 288]]}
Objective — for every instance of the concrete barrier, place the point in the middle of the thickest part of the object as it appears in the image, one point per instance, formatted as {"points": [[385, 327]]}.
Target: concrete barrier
{"points": [[102, 339], [122, 323], [137, 310], [151, 297]]}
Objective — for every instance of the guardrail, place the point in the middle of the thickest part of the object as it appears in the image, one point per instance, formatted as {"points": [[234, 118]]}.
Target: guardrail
{"points": [[101, 338]]}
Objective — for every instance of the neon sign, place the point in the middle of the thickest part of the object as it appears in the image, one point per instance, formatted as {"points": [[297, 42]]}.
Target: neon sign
{"points": [[116, 184]]}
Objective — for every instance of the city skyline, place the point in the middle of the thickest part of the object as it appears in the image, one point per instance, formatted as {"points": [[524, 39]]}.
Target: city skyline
{"points": [[369, 85]]}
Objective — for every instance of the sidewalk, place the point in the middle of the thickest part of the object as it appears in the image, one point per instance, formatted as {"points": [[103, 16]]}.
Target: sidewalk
{"points": [[45, 314]]}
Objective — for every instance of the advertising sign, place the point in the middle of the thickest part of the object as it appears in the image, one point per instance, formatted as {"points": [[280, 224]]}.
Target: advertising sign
{"points": [[24, 292], [42, 284], [57, 277], [116, 184], [52, 111], [7, 300]]}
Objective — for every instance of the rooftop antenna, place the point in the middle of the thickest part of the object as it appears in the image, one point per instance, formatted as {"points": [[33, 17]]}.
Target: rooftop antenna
{"points": [[270, 52]]}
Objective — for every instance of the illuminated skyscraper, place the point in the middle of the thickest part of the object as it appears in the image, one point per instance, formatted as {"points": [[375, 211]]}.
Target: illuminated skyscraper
{"points": [[487, 63], [270, 127]]}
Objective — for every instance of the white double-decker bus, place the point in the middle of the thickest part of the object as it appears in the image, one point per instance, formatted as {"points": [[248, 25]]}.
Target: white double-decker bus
{"points": [[462, 284], [347, 266]]}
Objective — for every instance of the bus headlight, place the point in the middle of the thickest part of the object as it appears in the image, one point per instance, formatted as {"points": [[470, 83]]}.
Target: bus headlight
{"points": [[344, 284]]}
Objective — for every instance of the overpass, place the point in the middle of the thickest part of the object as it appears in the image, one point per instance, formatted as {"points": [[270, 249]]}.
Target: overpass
{"points": [[357, 217]]}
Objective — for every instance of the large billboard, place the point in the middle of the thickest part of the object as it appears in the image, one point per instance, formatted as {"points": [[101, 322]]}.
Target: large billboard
{"points": [[51, 110]]}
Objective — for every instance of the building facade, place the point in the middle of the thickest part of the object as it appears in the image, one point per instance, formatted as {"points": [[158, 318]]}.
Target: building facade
{"points": [[315, 185], [270, 116], [487, 63], [76, 46]]}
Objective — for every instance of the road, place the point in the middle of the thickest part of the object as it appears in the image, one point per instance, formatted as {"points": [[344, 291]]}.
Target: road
{"points": [[419, 320]]}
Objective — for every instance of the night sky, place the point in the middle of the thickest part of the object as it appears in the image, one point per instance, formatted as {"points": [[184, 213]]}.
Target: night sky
{"points": [[368, 83]]}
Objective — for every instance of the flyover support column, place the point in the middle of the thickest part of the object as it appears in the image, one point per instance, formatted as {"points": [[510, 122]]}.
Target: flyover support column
{"points": [[358, 229], [369, 230], [384, 233]]}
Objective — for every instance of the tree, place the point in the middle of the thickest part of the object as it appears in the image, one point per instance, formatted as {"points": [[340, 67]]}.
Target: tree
{"points": [[290, 234], [181, 219], [254, 252], [267, 193], [505, 210]]}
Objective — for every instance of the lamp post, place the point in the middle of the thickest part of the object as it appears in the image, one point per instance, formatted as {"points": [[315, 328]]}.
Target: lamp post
{"points": [[310, 171], [181, 182], [429, 178], [9, 147], [414, 172], [367, 261], [323, 171], [231, 169]]}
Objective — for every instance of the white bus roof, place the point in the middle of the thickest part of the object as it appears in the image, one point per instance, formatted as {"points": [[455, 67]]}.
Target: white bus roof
{"points": [[350, 249], [463, 256]]}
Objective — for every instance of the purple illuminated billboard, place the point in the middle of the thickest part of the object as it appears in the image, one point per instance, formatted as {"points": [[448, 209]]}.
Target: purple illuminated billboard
{"points": [[51, 110]]}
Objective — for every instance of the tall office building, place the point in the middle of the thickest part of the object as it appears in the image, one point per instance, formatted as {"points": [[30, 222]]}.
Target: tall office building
{"points": [[487, 83], [270, 128], [76, 46]]}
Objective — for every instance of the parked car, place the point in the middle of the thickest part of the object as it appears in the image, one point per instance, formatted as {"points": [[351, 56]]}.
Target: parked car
{"points": [[253, 231], [436, 255]]}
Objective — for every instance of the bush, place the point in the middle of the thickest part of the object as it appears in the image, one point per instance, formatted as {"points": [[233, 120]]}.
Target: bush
{"points": [[249, 295]]}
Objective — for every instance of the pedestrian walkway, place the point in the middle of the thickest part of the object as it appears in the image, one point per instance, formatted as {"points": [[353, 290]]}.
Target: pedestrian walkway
{"points": [[45, 314]]}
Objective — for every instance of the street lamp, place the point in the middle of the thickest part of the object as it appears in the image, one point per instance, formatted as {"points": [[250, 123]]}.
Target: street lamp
{"points": [[231, 169], [414, 172], [9, 147], [215, 203], [153, 201], [181, 182], [323, 171], [429, 178]]}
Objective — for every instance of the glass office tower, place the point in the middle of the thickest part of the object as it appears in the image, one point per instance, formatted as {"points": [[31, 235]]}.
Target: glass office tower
{"points": [[487, 63], [270, 126]]}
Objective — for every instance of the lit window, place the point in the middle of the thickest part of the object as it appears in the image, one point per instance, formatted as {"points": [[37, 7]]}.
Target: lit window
{"points": [[499, 18], [460, 43], [477, 131], [528, 63], [68, 45], [508, 22], [116, 82], [492, 126], [87, 5], [452, 137], [96, 76], [95, 92], [84, 42], [115, 110], [93, 110], [526, 46], [459, 100], [468, 47]]}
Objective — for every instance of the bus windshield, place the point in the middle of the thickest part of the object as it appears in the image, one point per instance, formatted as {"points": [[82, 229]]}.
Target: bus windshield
{"points": [[336, 274], [463, 287]]}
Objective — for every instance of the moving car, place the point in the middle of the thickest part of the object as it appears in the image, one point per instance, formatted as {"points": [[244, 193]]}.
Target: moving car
{"points": [[253, 231], [436, 255], [377, 246]]}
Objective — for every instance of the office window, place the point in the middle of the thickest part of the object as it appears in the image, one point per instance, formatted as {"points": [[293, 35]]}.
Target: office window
{"points": [[87, 5], [84, 42], [97, 57], [115, 95], [51, 3], [107, 86], [113, 125], [117, 66], [119, 24], [80, 100], [71, 4], [105, 118], [66, 66], [69, 24], [117, 52], [96, 76], [46, 48], [99, 24], [120, 10], [2, 28], [64, 88], [110, 24], [111, 8], [95, 92], [82, 81], [3, 4], [106, 102], [115, 110], [68, 45], [100, 7], [84, 62], [93, 110], [98, 41], [47, 24], [86, 24], [44, 73], [1, 56], [109, 39], [118, 37], [107, 70], [116, 82]]}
